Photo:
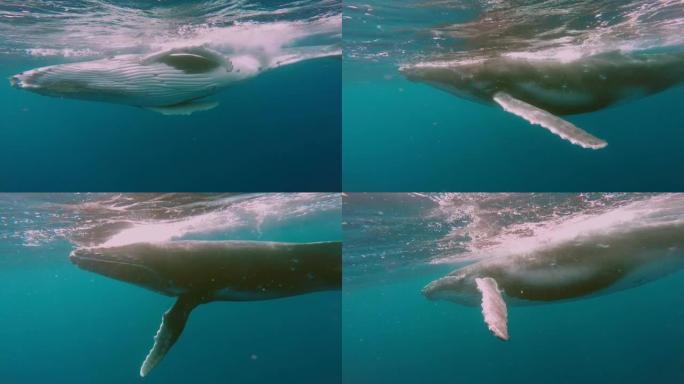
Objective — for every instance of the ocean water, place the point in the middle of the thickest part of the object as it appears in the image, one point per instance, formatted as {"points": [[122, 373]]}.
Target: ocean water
{"points": [[278, 131], [395, 244], [401, 135], [66, 325]]}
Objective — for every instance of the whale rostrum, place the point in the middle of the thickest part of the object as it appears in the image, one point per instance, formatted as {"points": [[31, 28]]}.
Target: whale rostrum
{"points": [[540, 90], [198, 272]]}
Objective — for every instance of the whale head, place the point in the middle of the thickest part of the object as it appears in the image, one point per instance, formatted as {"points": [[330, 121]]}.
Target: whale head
{"points": [[121, 263], [466, 80], [161, 79]]}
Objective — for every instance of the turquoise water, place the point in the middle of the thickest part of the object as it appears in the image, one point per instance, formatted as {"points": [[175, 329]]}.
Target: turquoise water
{"points": [[279, 131], [391, 333], [406, 136], [66, 325], [395, 245], [414, 137]]}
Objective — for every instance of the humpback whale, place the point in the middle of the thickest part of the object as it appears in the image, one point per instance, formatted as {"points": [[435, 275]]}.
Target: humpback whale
{"points": [[593, 264], [198, 272], [170, 82], [541, 90]]}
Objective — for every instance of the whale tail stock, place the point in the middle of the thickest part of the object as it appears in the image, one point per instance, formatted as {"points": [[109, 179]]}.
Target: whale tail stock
{"points": [[494, 307], [564, 129], [172, 325]]}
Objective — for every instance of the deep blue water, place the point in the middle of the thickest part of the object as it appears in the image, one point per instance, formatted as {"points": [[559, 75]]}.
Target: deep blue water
{"points": [[67, 325], [277, 132], [391, 333]]}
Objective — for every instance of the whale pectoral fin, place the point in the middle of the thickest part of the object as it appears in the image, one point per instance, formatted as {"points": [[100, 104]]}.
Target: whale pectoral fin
{"points": [[564, 129], [185, 109], [493, 307], [170, 329]]}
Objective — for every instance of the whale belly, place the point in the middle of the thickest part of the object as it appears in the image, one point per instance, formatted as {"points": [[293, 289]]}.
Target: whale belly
{"points": [[557, 283], [230, 294], [560, 101]]}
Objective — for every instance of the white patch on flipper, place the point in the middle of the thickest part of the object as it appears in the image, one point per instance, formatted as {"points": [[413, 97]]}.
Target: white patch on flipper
{"points": [[555, 124], [493, 307]]}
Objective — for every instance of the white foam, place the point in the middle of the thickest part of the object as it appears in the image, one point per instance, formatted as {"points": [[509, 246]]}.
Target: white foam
{"points": [[664, 210], [245, 212], [98, 29]]}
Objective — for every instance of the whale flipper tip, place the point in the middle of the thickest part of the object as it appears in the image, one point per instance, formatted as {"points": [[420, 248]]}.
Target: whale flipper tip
{"points": [[172, 325], [493, 307], [564, 129]]}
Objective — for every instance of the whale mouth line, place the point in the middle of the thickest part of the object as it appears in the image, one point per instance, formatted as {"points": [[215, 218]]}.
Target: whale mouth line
{"points": [[88, 258], [77, 259]]}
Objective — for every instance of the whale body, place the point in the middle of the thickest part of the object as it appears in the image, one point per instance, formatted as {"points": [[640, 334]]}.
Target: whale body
{"points": [[170, 82], [542, 89], [593, 264], [198, 272]]}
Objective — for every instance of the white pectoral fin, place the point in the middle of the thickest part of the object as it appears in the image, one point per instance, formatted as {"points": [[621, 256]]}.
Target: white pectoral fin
{"points": [[555, 124], [185, 109], [173, 323], [493, 307]]}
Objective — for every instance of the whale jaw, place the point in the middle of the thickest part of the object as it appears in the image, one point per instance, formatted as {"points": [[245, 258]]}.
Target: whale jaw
{"points": [[122, 268]]}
